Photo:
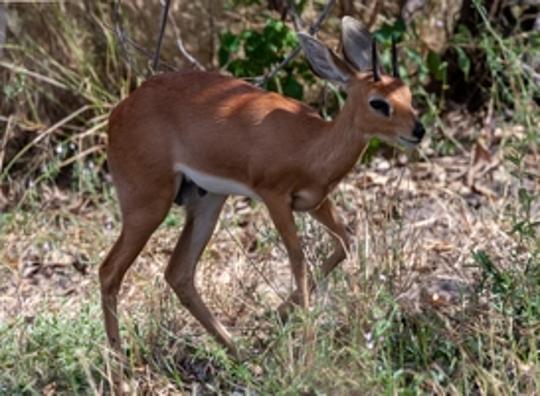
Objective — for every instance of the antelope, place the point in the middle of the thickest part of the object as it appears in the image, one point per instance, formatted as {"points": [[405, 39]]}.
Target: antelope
{"points": [[197, 137]]}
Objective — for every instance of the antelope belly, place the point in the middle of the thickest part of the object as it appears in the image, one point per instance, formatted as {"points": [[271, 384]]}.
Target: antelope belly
{"points": [[216, 184]]}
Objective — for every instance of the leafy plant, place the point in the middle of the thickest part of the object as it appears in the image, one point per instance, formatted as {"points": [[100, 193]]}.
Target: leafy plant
{"points": [[252, 54]]}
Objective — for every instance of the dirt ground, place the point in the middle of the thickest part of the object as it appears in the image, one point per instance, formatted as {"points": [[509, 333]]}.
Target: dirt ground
{"points": [[417, 219]]}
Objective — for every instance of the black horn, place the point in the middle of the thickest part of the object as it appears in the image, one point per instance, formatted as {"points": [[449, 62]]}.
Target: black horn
{"points": [[395, 70], [374, 60]]}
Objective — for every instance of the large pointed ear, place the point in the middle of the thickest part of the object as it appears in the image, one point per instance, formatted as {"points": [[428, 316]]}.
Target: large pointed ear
{"points": [[356, 43], [323, 61]]}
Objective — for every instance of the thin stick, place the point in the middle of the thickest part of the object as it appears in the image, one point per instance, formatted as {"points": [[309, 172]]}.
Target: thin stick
{"points": [[41, 136], [37, 76], [191, 59], [181, 47], [531, 71], [7, 133], [123, 38], [144, 51], [120, 34], [164, 18], [313, 28], [296, 19]]}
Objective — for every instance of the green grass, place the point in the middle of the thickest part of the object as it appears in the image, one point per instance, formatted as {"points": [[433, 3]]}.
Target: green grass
{"points": [[64, 352], [366, 338], [364, 343]]}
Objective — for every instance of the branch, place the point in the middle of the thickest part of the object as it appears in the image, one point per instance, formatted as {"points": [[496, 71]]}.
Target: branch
{"points": [[123, 38], [164, 19], [3, 27], [187, 55], [180, 44], [530, 70], [313, 28], [297, 21]]}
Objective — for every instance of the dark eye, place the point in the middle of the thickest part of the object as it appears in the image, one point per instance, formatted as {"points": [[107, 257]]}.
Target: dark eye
{"points": [[381, 106]]}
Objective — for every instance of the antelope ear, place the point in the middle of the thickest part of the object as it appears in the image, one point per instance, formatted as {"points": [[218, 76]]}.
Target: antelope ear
{"points": [[323, 61], [356, 43]]}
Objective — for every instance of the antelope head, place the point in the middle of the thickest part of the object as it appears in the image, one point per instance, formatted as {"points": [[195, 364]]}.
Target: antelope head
{"points": [[378, 105]]}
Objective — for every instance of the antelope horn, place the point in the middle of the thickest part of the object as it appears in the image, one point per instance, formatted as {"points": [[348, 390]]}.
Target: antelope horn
{"points": [[395, 70], [375, 61]]}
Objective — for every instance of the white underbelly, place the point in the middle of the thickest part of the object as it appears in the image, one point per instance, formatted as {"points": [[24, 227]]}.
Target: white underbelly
{"points": [[215, 184]]}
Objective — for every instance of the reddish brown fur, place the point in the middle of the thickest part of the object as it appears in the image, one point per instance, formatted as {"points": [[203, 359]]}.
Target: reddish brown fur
{"points": [[229, 128], [279, 148]]}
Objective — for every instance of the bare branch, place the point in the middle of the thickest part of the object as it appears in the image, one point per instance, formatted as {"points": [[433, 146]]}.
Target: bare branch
{"points": [[125, 41], [120, 34], [313, 28], [147, 53], [187, 55], [262, 80], [164, 18], [298, 23], [180, 44], [3, 27], [530, 70]]}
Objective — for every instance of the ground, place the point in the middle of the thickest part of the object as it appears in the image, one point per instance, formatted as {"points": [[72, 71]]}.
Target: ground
{"points": [[423, 224]]}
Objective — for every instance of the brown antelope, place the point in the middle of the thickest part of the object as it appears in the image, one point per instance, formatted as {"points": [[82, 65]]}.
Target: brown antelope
{"points": [[197, 137]]}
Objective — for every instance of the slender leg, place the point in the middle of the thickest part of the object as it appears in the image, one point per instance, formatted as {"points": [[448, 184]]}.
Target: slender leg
{"points": [[326, 215], [283, 219], [202, 216], [138, 225]]}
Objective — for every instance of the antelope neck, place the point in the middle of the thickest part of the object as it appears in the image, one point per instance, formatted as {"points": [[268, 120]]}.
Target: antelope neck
{"points": [[338, 147]]}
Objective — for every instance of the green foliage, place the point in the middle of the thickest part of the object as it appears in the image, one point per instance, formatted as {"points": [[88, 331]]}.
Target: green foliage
{"points": [[241, 3], [173, 219], [252, 54], [365, 342], [499, 57], [51, 350], [66, 86], [461, 41]]}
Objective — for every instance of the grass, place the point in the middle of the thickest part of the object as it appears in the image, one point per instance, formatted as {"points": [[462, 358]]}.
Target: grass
{"points": [[486, 350], [55, 352], [378, 326], [440, 294]]}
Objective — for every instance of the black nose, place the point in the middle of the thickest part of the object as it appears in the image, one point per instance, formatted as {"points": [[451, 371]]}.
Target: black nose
{"points": [[418, 131]]}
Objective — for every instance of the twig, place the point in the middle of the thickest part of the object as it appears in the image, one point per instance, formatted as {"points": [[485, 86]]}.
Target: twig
{"points": [[7, 132], [3, 27], [531, 71], [180, 44], [120, 33], [262, 80], [81, 154], [37, 76], [41, 136], [298, 23], [146, 52], [187, 55], [373, 16], [313, 28], [123, 38], [164, 19]]}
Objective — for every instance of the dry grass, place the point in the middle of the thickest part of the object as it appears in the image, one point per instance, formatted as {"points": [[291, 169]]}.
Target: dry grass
{"points": [[440, 294], [417, 227]]}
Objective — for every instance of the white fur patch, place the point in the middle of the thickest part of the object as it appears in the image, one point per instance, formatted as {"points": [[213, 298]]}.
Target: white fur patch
{"points": [[216, 184]]}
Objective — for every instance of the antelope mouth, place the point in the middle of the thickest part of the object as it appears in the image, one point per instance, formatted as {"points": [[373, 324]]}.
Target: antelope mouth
{"points": [[409, 142]]}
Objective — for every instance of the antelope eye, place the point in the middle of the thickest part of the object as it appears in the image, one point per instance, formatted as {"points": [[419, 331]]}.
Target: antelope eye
{"points": [[381, 106]]}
